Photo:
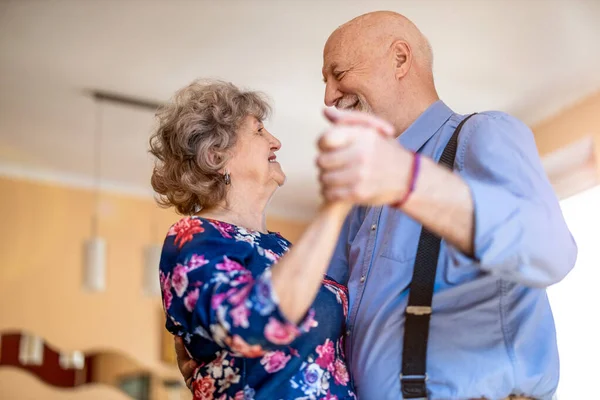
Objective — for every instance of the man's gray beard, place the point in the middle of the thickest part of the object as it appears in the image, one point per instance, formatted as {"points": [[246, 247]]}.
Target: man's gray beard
{"points": [[361, 106], [364, 107]]}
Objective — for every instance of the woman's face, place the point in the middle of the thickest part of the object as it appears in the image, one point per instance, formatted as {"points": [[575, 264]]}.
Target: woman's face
{"points": [[253, 159]]}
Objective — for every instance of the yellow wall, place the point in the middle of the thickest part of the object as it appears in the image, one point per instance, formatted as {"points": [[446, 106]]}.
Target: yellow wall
{"points": [[570, 125], [43, 228], [41, 255], [290, 229]]}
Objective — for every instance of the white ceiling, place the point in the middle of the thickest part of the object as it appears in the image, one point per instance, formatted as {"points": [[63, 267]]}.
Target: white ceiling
{"points": [[527, 57]]}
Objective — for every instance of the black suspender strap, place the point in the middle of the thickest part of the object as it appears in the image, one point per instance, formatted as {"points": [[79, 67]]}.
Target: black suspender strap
{"points": [[416, 332]]}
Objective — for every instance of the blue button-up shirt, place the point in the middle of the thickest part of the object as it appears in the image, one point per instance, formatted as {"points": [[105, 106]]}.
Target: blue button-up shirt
{"points": [[492, 333]]}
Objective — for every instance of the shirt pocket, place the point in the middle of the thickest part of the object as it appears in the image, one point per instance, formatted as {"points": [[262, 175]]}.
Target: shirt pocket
{"points": [[401, 246], [400, 239], [392, 276]]}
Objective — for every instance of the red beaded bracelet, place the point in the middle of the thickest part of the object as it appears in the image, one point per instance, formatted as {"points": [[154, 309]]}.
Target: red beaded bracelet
{"points": [[413, 180]]}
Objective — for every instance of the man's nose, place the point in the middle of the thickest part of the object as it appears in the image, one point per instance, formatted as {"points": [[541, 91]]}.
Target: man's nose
{"points": [[332, 94]]}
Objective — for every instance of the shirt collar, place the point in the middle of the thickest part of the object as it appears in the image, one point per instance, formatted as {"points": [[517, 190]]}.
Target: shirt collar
{"points": [[425, 126]]}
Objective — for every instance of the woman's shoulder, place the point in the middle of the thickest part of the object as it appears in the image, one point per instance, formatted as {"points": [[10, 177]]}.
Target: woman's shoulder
{"points": [[194, 233], [213, 238]]}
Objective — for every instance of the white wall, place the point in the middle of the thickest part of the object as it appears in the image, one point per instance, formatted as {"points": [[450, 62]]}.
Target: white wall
{"points": [[575, 300]]}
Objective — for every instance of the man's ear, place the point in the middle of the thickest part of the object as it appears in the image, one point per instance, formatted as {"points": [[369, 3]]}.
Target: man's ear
{"points": [[402, 58]]}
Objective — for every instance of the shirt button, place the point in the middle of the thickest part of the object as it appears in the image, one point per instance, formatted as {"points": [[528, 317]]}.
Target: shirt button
{"points": [[373, 227], [362, 279]]}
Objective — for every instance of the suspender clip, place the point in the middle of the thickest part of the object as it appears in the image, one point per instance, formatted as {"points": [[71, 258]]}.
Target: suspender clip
{"points": [[418, 310]]}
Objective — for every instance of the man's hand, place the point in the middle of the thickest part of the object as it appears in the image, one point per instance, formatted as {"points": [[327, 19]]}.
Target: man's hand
{"points": [[186, 364], [360, 161]]}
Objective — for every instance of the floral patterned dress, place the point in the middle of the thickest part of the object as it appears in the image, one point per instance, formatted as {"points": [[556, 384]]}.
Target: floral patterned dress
{"points": [[218, 295]]}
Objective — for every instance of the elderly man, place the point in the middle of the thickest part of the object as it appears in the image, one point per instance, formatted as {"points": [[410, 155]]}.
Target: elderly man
{"points": [[489, 331], [465, 317]]}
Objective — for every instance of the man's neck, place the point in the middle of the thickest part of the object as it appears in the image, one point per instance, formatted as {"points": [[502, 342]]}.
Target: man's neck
{"points": [[413, 110]]}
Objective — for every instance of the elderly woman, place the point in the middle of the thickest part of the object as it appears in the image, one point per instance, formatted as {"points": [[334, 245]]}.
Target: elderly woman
{"points": [[260, 321]]}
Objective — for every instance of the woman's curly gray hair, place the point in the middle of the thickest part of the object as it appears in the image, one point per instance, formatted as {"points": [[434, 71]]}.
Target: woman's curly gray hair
{"points": [[196, 130]]}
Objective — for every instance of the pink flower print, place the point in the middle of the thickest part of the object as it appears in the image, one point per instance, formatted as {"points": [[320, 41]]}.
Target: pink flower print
{"points": [[272, 256], [165, 281], [240, 315], [204, 388], [196, 261], [242, 278], [185, 229], [180, 279], [239, 295], [340, 373], [165, 286], [239, 395], [293, 352], [274, 361], [229, 265], [224, 228], [218, 298], [340, 292], [329, 396], [341, 345], [278, 333], [191, 299], [167, 300], [344, 298], [309, 321], [239, 346], [326, 355]]}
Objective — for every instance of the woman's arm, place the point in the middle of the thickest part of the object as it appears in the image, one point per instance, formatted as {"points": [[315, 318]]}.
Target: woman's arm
{"points": [[298, 275], [208, 290]]}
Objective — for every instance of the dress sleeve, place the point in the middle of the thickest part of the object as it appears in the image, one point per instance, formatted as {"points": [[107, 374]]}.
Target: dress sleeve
{"points": [[209, 290]]}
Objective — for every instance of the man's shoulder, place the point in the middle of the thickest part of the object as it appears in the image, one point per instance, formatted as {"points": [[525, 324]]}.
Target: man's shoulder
{"points": [[491, 118], [487, 125], [494, 131]]}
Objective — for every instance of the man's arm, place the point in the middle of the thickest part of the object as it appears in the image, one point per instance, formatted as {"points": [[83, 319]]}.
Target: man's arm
{"points": [[361, 161], [518, 230], [497, 211], [442, 202]]}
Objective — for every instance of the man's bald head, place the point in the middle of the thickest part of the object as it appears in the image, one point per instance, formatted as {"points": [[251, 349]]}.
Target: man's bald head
{"points": [[380, 27], [379, 62]]}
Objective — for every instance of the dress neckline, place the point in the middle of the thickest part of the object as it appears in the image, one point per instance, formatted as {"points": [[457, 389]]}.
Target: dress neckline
{"points": [[238, 227]]}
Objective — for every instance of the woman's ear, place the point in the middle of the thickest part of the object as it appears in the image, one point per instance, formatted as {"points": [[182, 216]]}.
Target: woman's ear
{"points": [[221, 159]]}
